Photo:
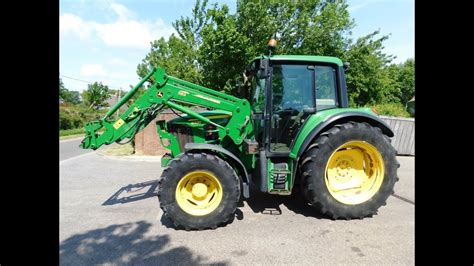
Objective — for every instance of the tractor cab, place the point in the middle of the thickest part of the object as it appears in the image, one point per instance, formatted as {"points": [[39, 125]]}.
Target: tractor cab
{"points": [[286, 90]]}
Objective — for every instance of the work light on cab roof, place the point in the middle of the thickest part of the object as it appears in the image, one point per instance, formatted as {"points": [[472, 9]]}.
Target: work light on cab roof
{"points": [[272, 43]]}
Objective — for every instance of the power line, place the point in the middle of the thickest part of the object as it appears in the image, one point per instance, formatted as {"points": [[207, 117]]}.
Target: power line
{"points": [[85, 81], [89, 82]]}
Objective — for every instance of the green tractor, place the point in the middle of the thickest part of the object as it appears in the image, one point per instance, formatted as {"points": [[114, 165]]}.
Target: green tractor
{"points": [[294, 128]]}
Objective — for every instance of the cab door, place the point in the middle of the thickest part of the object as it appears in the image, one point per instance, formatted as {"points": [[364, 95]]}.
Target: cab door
{"points": [[292, 98]]}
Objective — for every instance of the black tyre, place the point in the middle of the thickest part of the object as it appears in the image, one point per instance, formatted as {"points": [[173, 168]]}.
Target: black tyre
{"points": [[349, 171], [199, 191]]}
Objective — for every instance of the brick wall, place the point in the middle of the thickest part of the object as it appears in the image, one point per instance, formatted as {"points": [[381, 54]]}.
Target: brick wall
{"points": [[147, 141]]}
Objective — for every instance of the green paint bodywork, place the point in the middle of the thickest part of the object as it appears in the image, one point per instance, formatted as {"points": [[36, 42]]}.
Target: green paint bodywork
{"points": [[171, 92], [289, 180], [307, 58], [231, 118], [165, 160], [315, 120], [219, 117]]}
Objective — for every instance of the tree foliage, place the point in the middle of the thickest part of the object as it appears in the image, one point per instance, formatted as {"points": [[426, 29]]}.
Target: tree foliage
{"points": [[62, 89], [96, 95], [75, 116], [67, 95], [406, 80], [213, 46], [368, 81]]}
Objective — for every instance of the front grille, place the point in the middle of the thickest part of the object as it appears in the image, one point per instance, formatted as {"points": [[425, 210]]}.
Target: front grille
{"points": [[183, 134]]}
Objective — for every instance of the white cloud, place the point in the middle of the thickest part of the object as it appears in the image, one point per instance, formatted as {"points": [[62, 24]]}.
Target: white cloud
{"points": [[118, 62], [121, 11], [132, 33], [124, 32], [74, 24], [93, 70]]}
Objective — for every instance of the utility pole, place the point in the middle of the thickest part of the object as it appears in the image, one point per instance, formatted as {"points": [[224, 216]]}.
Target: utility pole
{"points": [[118, 100]]}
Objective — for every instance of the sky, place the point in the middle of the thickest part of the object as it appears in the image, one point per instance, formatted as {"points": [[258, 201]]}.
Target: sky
{"points": [[105, 40]]}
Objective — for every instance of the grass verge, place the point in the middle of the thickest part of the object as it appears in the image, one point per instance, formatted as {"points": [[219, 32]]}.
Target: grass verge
{"points": [[71, 136], [68, 132], [71, 133], [118, 150]]}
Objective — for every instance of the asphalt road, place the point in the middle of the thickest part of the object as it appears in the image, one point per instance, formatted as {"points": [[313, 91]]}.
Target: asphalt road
{"points": [[70, 148], [109, 214]]}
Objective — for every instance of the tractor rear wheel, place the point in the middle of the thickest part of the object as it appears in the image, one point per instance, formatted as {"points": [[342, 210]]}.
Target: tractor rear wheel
{"points": [[199, 191], [349, 171]]}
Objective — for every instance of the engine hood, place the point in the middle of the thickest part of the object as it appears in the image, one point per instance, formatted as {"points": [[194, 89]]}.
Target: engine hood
{"points": [[220, 117]]}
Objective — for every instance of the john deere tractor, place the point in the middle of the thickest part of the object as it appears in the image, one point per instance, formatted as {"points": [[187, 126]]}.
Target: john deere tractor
{"points": [[295, 127]]}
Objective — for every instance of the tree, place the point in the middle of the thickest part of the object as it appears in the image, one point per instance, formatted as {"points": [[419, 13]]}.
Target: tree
{"points": [[223, 53], [67, 95], [368, 82], [62, 90], [73, 97], [177, 58], [301, 27], [179, 54], [189, 29], [214, 46], [96, 95], [229, 41], [406, 80]]}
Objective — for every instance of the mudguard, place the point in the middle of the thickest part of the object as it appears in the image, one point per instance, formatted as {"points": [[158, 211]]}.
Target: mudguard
{"points": [[191, 147]]}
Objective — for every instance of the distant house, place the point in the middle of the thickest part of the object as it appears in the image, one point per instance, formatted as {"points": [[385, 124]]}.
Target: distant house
{"points": [[113, 100]]}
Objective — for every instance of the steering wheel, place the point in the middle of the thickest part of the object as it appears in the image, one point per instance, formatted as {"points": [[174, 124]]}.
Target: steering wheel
{"points": [[298, 118]]}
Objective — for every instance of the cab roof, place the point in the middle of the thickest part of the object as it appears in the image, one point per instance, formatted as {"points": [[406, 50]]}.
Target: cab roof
{"points": [[306, 58]]}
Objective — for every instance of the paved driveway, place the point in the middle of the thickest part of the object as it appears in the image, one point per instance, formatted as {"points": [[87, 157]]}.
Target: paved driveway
{"points": [[70, 149], [109, 214]]}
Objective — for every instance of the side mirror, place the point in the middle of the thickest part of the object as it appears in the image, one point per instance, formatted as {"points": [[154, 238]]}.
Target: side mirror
{"points": [[263, 69], [346, 66], [238, 87]]}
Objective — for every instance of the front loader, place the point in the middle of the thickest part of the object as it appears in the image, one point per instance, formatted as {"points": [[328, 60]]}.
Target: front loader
{"points": [[294, 128]]}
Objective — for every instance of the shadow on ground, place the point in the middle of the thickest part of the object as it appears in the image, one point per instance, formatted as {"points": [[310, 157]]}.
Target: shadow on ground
{"points": [[259, 202], [267, 204], [125, 244], [270, 204], [133, 192]]}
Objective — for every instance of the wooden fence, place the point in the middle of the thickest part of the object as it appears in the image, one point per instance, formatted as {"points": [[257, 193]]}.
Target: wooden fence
{"points": [[404, 129]]}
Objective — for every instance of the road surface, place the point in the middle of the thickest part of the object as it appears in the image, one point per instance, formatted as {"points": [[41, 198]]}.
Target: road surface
{"points": [[109, 214], [70, 148]]}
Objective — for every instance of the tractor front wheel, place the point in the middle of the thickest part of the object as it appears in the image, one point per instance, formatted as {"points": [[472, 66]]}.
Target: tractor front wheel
{"points": [[349, 171], [199, 191]]}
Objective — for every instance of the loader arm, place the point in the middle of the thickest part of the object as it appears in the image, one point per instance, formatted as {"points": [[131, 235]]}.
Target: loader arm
{"points": [[168, 92]]}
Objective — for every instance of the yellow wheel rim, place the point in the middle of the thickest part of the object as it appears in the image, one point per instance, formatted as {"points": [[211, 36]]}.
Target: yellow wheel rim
{"points": [[354, 172], [199, 193]]}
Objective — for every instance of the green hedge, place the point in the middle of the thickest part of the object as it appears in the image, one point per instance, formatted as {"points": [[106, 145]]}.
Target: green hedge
{"points": [[69, 121], [68, 132], [391, 109], [75, 116]]}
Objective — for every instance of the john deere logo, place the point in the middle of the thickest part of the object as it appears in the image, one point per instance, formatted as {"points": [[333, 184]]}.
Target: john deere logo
{"points": [[182, 93]]}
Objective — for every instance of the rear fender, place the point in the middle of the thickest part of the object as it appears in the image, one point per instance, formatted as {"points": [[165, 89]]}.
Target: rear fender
{"points": [[308, 136]]}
